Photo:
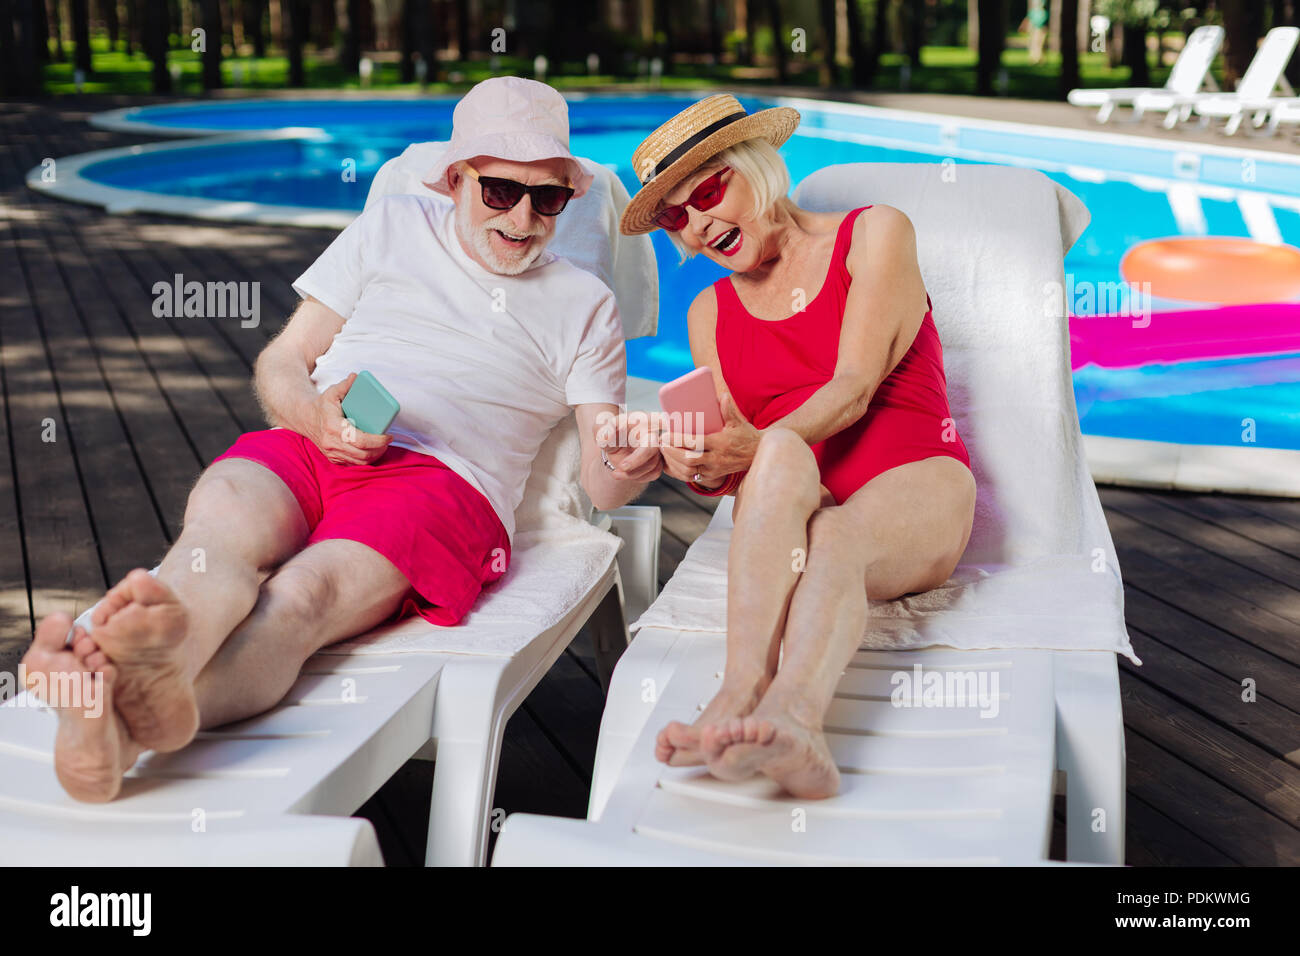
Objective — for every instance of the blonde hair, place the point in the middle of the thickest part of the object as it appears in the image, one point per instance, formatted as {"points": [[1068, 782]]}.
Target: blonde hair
{"points": [[762, 168]]}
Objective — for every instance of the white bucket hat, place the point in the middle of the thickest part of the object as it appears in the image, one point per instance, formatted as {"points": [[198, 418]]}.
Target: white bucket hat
{"points": [[509, 117]]}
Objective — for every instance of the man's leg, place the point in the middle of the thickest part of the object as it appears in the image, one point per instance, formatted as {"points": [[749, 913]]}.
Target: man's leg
{"points": [[240, 522], [331, 591]]}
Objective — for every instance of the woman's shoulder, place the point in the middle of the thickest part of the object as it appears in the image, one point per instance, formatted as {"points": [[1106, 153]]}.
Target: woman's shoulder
{"points": [[704, 307], [880, 224]]}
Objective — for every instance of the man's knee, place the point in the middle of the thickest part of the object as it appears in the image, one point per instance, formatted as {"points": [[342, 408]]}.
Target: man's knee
{"points": [[299, 595], [784, 467]]}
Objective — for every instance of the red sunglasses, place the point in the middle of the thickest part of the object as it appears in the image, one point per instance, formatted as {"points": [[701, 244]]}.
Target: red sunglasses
{"points": [[705, 196]]}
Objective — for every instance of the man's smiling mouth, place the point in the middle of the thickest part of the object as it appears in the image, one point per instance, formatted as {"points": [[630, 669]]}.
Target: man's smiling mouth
{"points": [[512, 239]]}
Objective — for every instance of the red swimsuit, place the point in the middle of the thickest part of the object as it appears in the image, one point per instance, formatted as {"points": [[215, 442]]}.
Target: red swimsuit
{"points": [[772, 367]]}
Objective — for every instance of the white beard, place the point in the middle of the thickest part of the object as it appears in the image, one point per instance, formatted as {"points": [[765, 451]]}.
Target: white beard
{"points": [[479, 238]]}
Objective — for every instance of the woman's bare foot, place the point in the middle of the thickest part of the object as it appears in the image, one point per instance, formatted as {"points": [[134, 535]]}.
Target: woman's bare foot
{"points": [[92, 748], [678, 744], [140, 628], [775, 745]]}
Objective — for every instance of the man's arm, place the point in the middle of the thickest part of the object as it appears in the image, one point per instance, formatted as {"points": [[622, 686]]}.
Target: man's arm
{"points": [[282, 379], [634, 466]]}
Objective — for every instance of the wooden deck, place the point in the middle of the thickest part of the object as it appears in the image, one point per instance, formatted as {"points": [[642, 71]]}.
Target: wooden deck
{"points": [[109, 413]]}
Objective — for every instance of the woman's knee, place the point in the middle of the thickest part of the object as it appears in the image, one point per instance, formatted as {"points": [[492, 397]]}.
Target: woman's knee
{"points": [[833, 534], [784, 467]]}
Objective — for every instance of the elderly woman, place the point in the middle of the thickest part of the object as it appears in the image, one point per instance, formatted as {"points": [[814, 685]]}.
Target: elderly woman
{"points": [[851, 482]]}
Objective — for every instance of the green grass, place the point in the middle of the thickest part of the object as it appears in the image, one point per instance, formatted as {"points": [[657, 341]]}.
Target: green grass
{"points": [[942, 70]]}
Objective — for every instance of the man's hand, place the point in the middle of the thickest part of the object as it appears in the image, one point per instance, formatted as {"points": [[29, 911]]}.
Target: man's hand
{"points": [[631, 445], [339, 439], [714, 456]]}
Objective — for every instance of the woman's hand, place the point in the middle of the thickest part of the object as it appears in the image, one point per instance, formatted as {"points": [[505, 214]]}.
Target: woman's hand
{"points": [[714, 456], [339, 440]]}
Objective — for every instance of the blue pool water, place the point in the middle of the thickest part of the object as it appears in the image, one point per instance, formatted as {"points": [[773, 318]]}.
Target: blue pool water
{"points": [[1125, 186]]}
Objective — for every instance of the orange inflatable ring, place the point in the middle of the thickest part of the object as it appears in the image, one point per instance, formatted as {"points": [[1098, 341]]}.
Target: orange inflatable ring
{"points": [[1223, 270]]}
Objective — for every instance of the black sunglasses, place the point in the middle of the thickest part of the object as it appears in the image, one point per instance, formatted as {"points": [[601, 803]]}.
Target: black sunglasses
{"points": [[498, 193]]}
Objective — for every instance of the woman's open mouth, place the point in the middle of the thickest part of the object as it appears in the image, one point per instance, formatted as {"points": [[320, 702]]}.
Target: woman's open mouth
{"points": [[729, 242]]}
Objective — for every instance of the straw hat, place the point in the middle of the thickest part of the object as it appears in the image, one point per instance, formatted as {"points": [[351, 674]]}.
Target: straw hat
{"points": [[681, 146]]}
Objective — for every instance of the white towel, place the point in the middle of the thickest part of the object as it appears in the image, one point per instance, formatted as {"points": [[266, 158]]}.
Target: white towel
{"points": [[551, 570], [980, 606]]}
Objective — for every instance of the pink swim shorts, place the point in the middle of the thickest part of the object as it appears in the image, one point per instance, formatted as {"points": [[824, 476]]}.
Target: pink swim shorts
{"points": [[433, 525]]}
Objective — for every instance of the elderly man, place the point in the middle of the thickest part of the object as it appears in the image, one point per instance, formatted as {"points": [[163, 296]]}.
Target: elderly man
{"points": [[312, 532]]}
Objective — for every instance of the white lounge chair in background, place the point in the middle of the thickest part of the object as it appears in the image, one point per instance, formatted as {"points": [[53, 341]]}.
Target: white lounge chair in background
{"points": [[1190, 74], [919, 785], [237, 795], [1284, 111], [1254, 95]]}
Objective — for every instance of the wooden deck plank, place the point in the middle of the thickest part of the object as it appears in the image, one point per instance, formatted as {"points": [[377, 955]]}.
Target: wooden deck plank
{"points": [[1263, 778], [1230, 823], [1198, 582]]}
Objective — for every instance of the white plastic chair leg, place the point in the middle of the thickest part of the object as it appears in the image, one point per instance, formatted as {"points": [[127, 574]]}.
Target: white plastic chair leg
{"points": [[1090, 750]]}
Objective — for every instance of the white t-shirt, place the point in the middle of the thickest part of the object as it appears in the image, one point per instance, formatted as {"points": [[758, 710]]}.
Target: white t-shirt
{"points": [[483, 365]]}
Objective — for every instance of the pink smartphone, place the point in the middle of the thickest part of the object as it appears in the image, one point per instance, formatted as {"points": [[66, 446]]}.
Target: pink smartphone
{"points": [[692, 403]]}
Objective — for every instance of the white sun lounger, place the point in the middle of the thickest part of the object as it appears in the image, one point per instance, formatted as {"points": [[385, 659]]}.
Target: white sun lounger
{"points": [[920, 785], [1255, 93], [237, 795], [1190, 74]]}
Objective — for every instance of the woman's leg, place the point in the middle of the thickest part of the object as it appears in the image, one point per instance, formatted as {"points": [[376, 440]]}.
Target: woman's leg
{"points": [[902, 532], [768, 546]]}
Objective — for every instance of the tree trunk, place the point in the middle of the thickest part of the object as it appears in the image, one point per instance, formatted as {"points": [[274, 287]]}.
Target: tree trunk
{"points": [[1053, 21], [108, 10], [1067, 29], [992, 37], [212, 33], [154, 41], [132, 31], [81, 34], [751, 31], [26, 64], [252, 11], [860, 52], [826, 74], [464, 46], [715, 29], [973, 24], [1286, 13], [1239, 39], [9, 81], [915, 30], [56, 21], [406, 70], [664, 25], [879, 35], [1135, 54], [424, 30], [348, 16], [41, 32], [297, 17], [778, 38]]}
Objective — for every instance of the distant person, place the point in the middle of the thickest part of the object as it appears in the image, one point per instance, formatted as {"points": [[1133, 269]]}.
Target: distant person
{"points": [[1035, 23]]}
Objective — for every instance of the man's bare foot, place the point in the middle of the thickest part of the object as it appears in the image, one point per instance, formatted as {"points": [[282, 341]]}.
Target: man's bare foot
{"points": [[775, 745], [678, 744], [140, 628], [92, 749]]}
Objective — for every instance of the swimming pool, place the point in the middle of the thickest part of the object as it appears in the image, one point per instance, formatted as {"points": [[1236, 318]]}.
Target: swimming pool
{"points": [[1137, 189]]}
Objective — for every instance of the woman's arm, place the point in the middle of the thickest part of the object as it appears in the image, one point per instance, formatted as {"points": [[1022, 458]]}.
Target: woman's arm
{"points": [[883, 313]]}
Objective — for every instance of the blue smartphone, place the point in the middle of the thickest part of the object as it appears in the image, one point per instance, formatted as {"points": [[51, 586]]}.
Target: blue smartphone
{"points": [[369, 405]]}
